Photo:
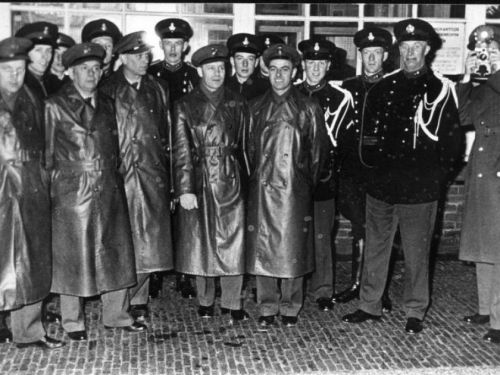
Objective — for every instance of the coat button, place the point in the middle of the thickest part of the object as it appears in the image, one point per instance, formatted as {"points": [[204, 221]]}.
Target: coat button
{"points": [[134, 139], [264, 183], [480, 149], [480, 175], [155, 137]]}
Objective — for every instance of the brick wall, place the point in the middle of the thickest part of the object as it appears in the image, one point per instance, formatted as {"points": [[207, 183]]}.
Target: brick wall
{"points": [[448, 224]]}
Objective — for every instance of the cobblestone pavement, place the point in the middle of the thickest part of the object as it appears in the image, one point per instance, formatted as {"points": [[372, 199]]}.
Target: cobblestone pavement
{"points": [[178, 342]]}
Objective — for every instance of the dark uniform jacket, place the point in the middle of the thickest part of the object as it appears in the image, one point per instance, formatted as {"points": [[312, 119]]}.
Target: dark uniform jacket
{"points": [[418, 137], [53, 83], [143, 121], [180, 81], [37, 86], [25, 248], [356, 153], [92, 243], [479, 106], [253, 87], [337, 108], [210, 163], [287, 147]]}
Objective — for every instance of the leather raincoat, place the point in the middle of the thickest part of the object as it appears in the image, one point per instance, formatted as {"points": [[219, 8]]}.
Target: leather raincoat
{"points": [[25, 249], [287, 145], [143, 121], [92, 244], [210, 162]]}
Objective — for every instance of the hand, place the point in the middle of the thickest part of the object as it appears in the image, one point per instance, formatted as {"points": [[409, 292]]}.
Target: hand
{"points": [[494, 60], [470, 64], [188, 201]]}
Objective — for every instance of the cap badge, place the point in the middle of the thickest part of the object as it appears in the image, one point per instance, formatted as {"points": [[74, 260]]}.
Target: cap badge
{"points": [[214, 51], [316, 46], [280, 50], [171, 27], [267, 42], [86, 50], [246, 42], [59, 40], [104, 27], [371, 37], [46, 30], [410, 29]]}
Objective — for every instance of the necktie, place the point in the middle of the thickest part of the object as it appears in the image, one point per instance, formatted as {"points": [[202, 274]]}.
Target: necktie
{"points": [[88, 101], [135, 85]]}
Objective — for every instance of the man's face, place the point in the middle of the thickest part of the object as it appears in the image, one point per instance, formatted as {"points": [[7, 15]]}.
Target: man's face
{"points": [[281, 72], [86, 75], [40, 56], [57, 65], [413, 54], [212, 74], [244, 64], [173, 48], [137, 63], [372, 59], [105, 42], [315, 70], [12, 76]]}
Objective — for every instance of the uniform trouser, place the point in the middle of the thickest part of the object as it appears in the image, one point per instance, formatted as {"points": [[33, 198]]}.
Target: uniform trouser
{"points": [[115, 307], [26, 323], [488, 287], [139, 293], [416, 223], [230, 291], [268, 296], [321, 280]]}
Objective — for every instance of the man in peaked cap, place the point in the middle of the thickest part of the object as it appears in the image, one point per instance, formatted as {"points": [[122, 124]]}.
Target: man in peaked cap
{"points": [[107, 34], [143, 119], [287, 148], [414, 127], [336, 103], [210, 172], [25, 221], [244, 51], [92, 245], [180, 78], [266, 41], [373, 44], [44, 36], [56, 77]]}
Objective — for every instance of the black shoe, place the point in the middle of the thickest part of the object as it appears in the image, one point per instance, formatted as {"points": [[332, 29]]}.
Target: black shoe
{"points": [[386, 303], [266, 321], [45, 343], [239, 315], [493, 336], [78, 335], [359, 316], [139, 312], [477, 319], [324, 303], [347, 295], [414, 325], [155, 284], [51, 317], [5, 335], [206, 311], [134, 327], [289, 321]]}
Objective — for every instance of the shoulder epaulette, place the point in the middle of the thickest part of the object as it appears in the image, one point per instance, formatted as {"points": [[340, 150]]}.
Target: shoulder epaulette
{"points": [[391, 73]]}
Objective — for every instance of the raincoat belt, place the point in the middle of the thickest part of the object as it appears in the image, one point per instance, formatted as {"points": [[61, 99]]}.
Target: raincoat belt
{"points": [[85, 165], [219, 151]]}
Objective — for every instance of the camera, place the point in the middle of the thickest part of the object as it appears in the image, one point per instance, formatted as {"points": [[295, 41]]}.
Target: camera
{"points": [[480, 42], [483, 65]]}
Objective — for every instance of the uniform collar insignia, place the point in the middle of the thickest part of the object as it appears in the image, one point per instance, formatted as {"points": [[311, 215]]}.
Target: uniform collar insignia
{"points": [[171, 27], [410, 29], [371, 37], [316, 46], [104, 27], [246, 42]]}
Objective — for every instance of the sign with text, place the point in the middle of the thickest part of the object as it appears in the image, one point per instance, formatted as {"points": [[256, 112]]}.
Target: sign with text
{"points": [[450, 58]]}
